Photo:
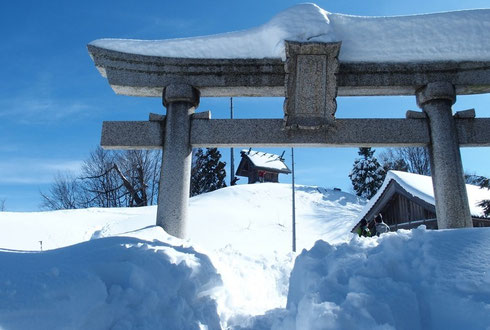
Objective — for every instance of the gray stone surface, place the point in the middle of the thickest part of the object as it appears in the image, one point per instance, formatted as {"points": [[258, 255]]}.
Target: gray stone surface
{"points": [[132, 135], [139, 75], [311, 85], [205, 115], [473, 132], [173, 196], [468, 114], [180, 93], [269, 132], [156, 117], [342, 133], [411, 114], [451, 199]]}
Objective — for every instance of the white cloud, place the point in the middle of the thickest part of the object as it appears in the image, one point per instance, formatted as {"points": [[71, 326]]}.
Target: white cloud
{"points": [[35, 171], [39, 104], [43, 110]]}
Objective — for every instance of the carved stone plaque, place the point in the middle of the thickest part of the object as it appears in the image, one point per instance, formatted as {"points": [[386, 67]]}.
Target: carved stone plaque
{"points": [[311, 84]]}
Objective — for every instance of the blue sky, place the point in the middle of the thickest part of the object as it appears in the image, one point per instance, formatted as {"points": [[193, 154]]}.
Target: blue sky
{"points": [[53, 100]]}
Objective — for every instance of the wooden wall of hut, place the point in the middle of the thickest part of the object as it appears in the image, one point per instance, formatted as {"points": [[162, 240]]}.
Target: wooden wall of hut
{"points": [[400, 209]]}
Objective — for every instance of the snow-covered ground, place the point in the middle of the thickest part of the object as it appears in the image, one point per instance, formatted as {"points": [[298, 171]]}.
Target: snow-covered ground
{"points": [[112, 269]]}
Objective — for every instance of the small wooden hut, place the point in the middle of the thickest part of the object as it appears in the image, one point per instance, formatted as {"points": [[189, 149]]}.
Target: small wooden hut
{"points": [[406, 200], [261, 166]]}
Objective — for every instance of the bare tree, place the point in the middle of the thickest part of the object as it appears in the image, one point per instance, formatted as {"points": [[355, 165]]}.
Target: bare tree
{"points": [[140, 172], [101, 185], [118, 179], [64, 193], [2, 204], [408, 159], [108, 179]]}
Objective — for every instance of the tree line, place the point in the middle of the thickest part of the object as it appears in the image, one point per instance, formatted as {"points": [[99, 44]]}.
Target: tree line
{"points": [[128, 178]]}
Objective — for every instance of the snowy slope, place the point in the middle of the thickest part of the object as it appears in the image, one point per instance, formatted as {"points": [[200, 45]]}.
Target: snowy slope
{"points": [[239, 211], [450, 36], [418, 279], [261, 213], [234, 270], [245, 230]]}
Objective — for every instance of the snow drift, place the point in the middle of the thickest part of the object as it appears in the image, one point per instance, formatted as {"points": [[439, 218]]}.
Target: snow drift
{"points": [[124, 278], [111, 283], [244, 230], [415, 279]]}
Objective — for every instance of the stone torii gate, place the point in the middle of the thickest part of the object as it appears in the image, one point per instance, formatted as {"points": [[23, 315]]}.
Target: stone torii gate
{"points": [[310, 80]]}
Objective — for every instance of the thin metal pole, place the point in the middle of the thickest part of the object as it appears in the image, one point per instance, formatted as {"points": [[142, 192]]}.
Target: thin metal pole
{"points": [[294, 202], [232, 156]]}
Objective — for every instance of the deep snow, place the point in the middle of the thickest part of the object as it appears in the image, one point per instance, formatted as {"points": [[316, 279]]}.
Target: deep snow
{"points": [[449, 36], [234, 271], [245, 231]]}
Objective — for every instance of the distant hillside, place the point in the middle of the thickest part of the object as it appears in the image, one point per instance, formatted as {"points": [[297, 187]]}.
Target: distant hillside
{"points": [[243, 212]]}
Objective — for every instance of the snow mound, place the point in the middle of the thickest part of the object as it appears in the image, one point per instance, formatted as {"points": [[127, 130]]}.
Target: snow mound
{"points": [[248, 228], [450, 36], [262, 213], [109, 283], [240, 212], [145, 279], [245, 230], [415, 279]]}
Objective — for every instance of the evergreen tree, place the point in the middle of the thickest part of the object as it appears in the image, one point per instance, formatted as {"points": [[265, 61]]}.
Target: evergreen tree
{"points": [[367, 174], [208, 172], [484, 183]]}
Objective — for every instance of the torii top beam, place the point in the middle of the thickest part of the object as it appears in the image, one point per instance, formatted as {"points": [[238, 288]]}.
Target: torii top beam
{"points": [[379, 55]]}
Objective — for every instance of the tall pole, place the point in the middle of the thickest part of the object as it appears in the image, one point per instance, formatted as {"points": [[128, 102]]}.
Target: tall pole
{"points": [[232, 156], [294, 202]]}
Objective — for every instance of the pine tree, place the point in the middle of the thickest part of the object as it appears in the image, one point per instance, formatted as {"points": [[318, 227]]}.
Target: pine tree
{"points": [[484, 183], [208, 172], [367, 174]]}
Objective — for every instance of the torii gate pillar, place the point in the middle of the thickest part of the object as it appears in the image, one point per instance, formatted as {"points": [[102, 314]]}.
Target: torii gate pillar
{"points": [[173, 196], [451, 199]]}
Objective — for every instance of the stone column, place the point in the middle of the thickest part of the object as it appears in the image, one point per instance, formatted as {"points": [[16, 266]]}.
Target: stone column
{"points": [[451, 199], [173, 196]]}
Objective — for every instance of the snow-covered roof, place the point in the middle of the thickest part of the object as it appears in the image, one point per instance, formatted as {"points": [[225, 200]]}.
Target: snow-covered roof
{"points": [[421, 186], [266, 161], [448, 36]]}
